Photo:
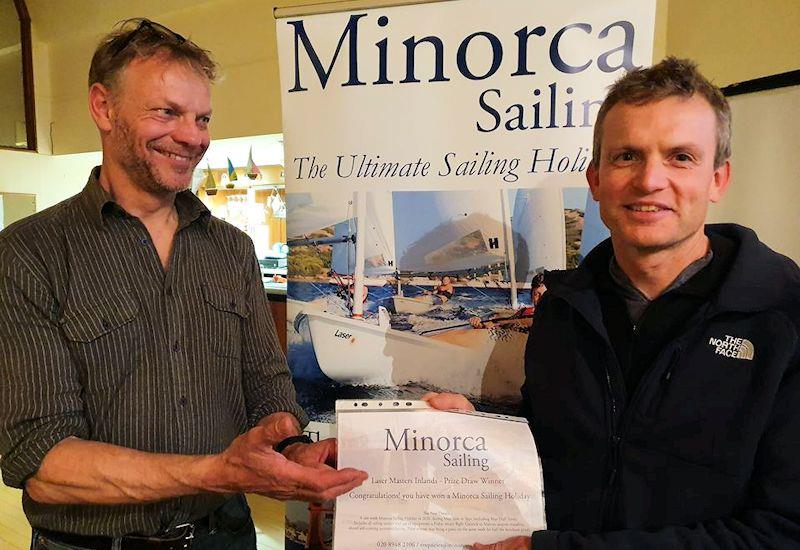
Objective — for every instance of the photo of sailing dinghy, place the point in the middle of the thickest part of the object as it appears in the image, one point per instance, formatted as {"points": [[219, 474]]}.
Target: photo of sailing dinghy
{"points": [[465, 234]]}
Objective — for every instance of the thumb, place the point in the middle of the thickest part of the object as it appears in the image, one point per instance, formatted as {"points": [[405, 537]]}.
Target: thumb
{"points": [[279, 426]]}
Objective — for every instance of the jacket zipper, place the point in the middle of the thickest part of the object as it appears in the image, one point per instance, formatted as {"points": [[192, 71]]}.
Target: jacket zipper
{"points": [[663, 385], [606, 501]]}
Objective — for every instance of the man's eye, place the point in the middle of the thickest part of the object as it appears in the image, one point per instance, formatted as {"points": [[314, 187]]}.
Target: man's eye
{"points": [[166, 111], [204, 120], [625, 156], [683, 157]]}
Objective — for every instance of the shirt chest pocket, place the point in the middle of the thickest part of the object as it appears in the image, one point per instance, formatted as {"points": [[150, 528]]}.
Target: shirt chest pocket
{"points": [[103, 335], [227, 311]]}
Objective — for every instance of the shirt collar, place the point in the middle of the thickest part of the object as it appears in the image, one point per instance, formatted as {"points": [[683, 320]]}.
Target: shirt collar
{"points": [[99, 204], [630, 292]]}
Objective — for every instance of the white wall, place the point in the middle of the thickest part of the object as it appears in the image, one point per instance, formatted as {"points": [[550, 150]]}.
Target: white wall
{"points": [[51, 178], [764, 193]]}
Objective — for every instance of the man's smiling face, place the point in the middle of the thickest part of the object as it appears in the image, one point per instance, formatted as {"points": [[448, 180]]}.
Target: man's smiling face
{"points": [[161, 110], [656, 173]]}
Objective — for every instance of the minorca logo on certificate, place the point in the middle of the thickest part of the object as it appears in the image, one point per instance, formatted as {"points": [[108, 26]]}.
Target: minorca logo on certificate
{"points": [[731, 346]]}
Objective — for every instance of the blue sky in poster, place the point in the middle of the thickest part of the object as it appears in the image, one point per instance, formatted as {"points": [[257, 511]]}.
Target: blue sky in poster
{"points": [[575, 197]]}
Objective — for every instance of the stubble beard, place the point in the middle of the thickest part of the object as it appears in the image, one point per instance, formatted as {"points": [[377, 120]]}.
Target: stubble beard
{"points": [[141, 170]]}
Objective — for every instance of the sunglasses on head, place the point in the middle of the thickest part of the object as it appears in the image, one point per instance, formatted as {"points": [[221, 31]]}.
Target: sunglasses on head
{"points": [[144, 26]]}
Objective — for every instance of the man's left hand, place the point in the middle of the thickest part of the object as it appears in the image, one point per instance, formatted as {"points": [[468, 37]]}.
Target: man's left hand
{"points": [[312, 454], [514, 543]]}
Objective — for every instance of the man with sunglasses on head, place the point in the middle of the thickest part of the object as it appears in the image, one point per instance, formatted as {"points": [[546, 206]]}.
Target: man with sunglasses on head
{"points": [[144, 390]]}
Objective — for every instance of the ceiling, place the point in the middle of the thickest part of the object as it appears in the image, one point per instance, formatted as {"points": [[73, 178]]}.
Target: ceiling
{"points": [[53, 19]]}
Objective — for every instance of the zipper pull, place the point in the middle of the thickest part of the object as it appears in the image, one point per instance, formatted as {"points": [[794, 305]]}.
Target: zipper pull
{"points": [[612, 478], [664, 384]]}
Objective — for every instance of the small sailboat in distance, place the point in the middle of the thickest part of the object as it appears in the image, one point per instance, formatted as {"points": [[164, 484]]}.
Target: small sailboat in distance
{"points": [[210, 185], [232, 177], [252, 170]]}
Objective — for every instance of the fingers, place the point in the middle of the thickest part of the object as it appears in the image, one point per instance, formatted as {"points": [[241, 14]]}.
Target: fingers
{"points": [[324, 483], [321, 452], [331, 449], [348, 483], [448, 401], [513, 543]]}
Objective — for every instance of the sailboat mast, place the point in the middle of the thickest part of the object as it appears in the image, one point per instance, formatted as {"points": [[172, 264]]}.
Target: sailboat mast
{"points": [[509, 238], [360, 199]]}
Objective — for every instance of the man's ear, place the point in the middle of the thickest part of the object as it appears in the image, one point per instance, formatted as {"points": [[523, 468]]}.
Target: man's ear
{"points": [[722, 177], [593, 177], [101, 106]]}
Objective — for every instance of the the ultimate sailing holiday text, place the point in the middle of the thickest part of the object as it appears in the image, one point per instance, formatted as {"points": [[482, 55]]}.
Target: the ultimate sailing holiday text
{"points": [[611, 50], [481, 163]]}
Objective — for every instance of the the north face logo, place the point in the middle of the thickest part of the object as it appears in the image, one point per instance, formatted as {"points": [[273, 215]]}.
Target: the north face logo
{"points": [[730, 346]]}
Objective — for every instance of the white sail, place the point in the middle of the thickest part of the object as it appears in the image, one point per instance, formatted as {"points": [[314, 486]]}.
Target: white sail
{"points": [[309, 213], [379, 251], [378, 241], [538, 231], [448, 231]]}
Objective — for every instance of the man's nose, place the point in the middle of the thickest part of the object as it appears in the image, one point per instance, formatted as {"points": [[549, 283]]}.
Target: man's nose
{"points": [[653, 176], [189, 132]]}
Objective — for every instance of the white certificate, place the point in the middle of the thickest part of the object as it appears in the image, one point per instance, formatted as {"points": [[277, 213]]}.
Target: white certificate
{"points": [[436, 479]]}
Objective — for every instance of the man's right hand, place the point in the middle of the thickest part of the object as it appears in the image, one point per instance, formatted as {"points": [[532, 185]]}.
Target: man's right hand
{"points": [[250, 465], [448, 401]]}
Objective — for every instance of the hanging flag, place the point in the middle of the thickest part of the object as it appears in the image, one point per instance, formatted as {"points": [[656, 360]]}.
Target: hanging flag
{"points": [[211, 185], [252, 170], [232, 177]]}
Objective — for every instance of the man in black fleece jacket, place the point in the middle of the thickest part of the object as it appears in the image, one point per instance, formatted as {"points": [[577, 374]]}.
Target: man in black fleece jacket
{"points": [[663, 374]]}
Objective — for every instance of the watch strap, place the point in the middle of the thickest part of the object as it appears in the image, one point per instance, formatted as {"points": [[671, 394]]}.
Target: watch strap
{"points": [[281, 445]]}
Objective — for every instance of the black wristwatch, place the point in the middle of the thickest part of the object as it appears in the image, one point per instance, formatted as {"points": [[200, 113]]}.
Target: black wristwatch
{"points": [[281, 445]]}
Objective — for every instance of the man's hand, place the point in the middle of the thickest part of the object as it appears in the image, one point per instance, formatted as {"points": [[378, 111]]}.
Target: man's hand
{"points": [[514, 543], [250, 465], [312, 454], [281, 425], [448, 401]]}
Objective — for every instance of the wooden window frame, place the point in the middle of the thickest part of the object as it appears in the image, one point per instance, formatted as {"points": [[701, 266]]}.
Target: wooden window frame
{"points": [[26, 47]]}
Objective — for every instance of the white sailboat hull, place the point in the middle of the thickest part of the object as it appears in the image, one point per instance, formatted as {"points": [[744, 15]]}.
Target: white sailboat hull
{"points": [[472, 362], [416, 306]]}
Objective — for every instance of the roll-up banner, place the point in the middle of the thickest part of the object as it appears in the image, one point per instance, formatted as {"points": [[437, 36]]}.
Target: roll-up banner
{"points": [[435, 159]]}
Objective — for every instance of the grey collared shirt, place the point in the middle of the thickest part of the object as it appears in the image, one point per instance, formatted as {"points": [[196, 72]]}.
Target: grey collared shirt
{"points": [[635, 301], [98, 341]]}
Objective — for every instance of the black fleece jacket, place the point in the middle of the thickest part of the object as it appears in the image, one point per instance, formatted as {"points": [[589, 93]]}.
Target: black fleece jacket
{"points": [[705, 453]]}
